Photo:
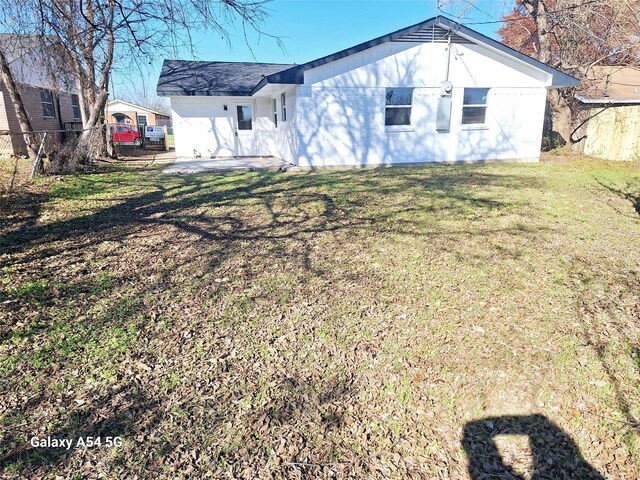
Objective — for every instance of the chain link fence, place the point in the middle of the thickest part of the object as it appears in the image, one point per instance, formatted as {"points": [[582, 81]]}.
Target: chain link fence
{"points": [[58, 152]]}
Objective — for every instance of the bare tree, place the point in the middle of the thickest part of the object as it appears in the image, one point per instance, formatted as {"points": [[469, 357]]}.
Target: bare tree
{"points": [[90, 34], [16, 100], [573, 36], [138, 93]]}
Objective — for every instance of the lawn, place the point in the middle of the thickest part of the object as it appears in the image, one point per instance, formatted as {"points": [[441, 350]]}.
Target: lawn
{"points": [[382, 323]]}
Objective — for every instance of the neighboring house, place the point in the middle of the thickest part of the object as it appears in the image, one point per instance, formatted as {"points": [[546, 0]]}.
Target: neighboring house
{"points": [[125, 113], [433, 92], [49, 99], [612, 102]]}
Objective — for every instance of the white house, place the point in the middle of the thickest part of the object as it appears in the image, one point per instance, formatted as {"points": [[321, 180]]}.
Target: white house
{"points": [[433, 92]]}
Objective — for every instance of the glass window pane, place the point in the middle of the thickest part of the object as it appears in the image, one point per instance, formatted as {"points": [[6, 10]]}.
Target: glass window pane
{"points": [[475, 96], [245, 117], [471, 115], [46, 98], [283, 106], [397, 116], [142, 119], [275, 113], [399, 96], [75, 105]]}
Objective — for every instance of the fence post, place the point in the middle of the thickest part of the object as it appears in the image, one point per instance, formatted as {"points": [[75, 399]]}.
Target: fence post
{"points": [[166, 132], [36, 162]]}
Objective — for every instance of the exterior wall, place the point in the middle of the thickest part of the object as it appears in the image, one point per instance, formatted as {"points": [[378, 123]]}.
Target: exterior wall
{"points": [[614, 133], [203, 128], [286, 141], [33, 105], [341, 107]]}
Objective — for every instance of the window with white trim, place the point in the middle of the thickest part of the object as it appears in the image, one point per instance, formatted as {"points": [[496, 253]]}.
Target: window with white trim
{"points": [[142, 120], [398, 107], [275, 113], [48, 108], [283, 106], [75, 106], [474, 106]]}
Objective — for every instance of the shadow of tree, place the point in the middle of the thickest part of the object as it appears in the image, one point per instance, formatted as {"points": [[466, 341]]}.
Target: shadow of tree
{"points": [[630, 192], [105, 416], [191, 227]]}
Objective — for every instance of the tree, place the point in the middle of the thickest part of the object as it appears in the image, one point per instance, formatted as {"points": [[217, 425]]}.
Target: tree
{"points": [[16, 100], [90, 34], [138, 94], [573, 36]]}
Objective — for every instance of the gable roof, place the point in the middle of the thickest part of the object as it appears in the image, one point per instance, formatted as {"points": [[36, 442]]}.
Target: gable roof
{"points": [[612, 84], [421, 32], [136, 107], [183, 77], [230, 78]]}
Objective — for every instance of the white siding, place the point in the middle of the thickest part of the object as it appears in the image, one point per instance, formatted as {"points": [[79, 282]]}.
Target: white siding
{"points": [[341, 107], [337, 117], [286, 137], [202, 126]]}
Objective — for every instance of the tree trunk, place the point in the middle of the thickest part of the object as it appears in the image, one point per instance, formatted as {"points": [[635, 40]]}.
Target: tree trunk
{"points": [[561, 117], [21, 112], [92, 136]]}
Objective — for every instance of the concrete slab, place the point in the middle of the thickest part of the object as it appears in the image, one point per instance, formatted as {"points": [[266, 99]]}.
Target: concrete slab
{"points": [[199, 165]]}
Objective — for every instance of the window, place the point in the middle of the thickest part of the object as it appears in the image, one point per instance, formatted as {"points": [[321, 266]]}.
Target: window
{"points": [[245, 117], [142, 120], [398, 106], [474, 108], [46, 97], [75, 105], [275, 113], [283, 105]]}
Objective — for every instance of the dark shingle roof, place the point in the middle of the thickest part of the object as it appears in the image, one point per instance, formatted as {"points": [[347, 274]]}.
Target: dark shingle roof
{"points": [[183, 77]]}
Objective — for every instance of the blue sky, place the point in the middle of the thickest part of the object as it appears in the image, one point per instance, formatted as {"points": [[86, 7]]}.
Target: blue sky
{"points": [[311, 29]]}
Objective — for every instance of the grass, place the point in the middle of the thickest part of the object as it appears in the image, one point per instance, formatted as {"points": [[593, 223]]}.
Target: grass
{"points": [[379, 323]]}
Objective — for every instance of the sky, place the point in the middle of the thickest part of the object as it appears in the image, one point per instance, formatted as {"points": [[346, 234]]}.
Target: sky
{"points": [[311, 29]]}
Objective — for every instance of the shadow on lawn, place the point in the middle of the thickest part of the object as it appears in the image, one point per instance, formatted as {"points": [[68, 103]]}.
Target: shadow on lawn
{"points": [[120, 413], [555, 455], [212, 217], [630, 192], [168, 206]]}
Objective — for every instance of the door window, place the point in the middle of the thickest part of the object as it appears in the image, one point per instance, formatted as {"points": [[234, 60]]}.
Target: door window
{"points": [[245, 117]]}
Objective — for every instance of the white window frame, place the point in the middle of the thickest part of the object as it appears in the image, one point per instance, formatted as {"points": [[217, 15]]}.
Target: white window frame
{"points": [[283, 107], [475, 126], [399, 128], [45, 102], [146, 118]]}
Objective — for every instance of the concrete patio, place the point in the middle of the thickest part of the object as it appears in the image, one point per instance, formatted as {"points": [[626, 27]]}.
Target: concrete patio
{"points": [[199, 165]]}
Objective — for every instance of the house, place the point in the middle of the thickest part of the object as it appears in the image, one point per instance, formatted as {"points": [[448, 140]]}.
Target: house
{"points": [[121, 112], [433, 92], [611, 102], [49, 98]]}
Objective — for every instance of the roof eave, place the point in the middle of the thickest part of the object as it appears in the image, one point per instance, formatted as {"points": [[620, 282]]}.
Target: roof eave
{"points": [[295, 75], [200, 93], [559, 79], [608, 101]]}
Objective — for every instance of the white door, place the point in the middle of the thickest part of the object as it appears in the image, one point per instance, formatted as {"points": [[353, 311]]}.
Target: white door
{"points": [[244, 126]]}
